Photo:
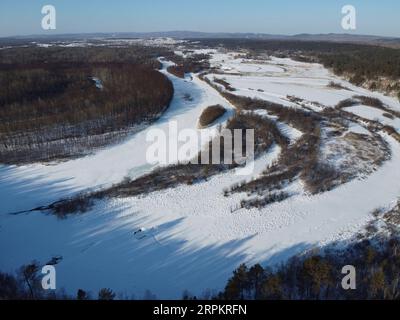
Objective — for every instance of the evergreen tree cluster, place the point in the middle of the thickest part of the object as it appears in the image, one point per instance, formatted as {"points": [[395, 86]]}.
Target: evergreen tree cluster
{"points": [[319, 276]]}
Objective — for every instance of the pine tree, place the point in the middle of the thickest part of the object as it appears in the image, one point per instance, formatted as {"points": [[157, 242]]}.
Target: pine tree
{"points": [[82, 295], [377, 285], [272, 288], [29, 274], [238, 284], [106, 294], [316, 277], [256, 277]]}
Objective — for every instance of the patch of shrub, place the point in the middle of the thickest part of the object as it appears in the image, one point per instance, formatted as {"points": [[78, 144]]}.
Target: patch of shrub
{"points": [[77, 204], [370, 101], [347, 103], [178, 71], [210, 114], [191, 64], [224, 83], [388, 115], [264, 201], [336, 85]]}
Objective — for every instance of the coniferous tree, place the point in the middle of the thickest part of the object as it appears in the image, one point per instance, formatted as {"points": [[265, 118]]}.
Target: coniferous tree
{"points": [[106, 294], [256, 277], [82, 295], [238, 284]]}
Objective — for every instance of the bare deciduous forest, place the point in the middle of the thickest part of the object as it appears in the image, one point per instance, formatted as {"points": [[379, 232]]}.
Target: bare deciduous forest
{"points": [[62, 103]]}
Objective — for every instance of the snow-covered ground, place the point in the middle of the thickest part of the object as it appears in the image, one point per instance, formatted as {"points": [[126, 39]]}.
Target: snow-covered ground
{"points": [[308, 81], [374, 114], [192, 237], [291, 133], [37, 184]]}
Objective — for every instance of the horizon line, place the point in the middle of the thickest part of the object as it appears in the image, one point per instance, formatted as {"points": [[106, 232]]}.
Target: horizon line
{"points": [[199, 32]]}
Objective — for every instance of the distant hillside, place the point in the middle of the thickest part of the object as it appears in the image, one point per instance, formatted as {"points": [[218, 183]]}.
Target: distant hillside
{"points": [[334, 37]]}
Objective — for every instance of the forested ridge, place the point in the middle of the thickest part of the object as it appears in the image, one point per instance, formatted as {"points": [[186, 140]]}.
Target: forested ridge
{"points": [[62, 102]]}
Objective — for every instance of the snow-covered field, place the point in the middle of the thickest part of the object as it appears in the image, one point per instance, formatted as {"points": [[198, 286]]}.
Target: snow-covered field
{"points": [[303, 80], [374, 114], [38, 184], [193, 237]]}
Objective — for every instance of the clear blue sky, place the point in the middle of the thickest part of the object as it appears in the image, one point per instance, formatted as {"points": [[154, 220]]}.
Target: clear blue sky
{"points": [[22, 17]]}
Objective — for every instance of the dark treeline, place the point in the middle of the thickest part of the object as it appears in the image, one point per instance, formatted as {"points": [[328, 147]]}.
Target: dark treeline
{"points": [[33, 55], [178, 71], [58, 103], [193, 63], [37, 97], [25, 284], [319, 276], [282, 45], [364, 64]]}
